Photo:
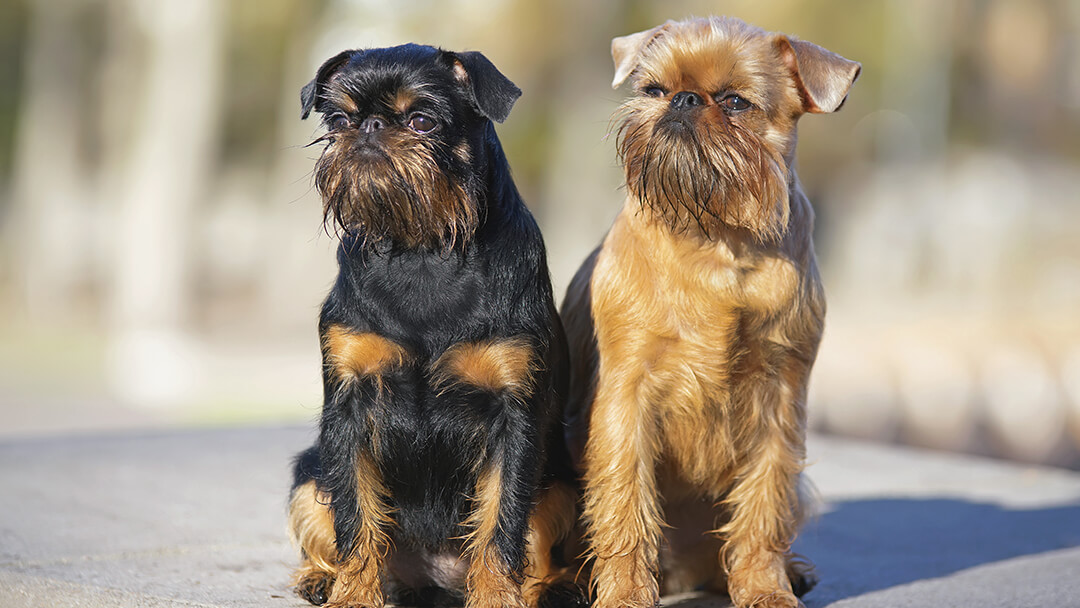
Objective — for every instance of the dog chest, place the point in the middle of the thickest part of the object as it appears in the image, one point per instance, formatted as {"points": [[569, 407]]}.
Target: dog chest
{"points": [[681, 287], [420, 289]]}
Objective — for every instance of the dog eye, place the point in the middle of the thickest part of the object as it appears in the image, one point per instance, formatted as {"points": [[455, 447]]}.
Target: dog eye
{"points": [[338, 122], [654, 91], [421, 123], [734, 103]]}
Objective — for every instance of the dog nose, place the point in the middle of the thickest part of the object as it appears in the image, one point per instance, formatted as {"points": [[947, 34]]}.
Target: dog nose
{"points": [[372, 124], [686, 99]]}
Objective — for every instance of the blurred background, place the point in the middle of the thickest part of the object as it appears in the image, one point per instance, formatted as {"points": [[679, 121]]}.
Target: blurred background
{"points": [[162, 260]]}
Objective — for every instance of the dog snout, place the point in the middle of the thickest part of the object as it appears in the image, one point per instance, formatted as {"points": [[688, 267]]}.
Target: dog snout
{"points": [[686, 99], [372, 124]]}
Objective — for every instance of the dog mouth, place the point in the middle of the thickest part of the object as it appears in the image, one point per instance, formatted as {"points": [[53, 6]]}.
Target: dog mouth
{"points": [[694, 174], [367, 143], [361, 146], [676, 124], [395, 191], [370, 157]]}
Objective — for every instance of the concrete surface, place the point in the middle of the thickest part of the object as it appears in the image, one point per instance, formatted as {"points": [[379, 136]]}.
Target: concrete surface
{"points": [[197, 519]]}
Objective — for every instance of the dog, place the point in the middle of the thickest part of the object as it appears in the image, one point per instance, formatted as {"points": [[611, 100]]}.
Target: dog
{"points": [[693, 327], [440, 474]]}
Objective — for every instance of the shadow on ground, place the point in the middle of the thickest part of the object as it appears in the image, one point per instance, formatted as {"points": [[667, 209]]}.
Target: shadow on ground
{"points": [[862, 546]]}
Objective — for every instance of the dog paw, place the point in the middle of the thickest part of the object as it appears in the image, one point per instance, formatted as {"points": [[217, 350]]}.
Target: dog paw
{"points": [[315, 588], [349, 604], [354, 592], [776, 599], [802, 582], [637, 601], [801, 575]]}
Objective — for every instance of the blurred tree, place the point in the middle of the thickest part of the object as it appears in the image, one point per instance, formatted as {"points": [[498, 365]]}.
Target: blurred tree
{"points": [[52, 190], [166, 172]]}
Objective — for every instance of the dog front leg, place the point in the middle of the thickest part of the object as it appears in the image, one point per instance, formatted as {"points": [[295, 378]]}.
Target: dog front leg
{"points": [[358, 374], [499, 521], [551, 523], [357, 501], [498, 377], [764, 503], [621, 505]]}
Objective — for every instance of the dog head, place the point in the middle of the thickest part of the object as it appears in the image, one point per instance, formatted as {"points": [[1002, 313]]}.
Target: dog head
{"points": [[405, 128], [708, 138]]}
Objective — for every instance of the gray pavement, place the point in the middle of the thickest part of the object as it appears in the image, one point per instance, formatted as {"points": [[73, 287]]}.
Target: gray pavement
{"points": [[196, 518]]}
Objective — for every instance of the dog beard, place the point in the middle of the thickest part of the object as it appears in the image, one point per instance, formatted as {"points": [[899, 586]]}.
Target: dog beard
{"points": [[401, 196], [706, 174]]}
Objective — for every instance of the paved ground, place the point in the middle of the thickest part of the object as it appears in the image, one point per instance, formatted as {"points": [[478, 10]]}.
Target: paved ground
{"points": [[197, 519]]}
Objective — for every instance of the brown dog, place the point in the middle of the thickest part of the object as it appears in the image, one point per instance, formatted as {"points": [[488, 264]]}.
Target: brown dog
{"points": [[695, 325]]}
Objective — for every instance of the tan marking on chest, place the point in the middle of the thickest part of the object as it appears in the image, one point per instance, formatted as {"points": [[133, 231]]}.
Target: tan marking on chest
{"points": [[494, 366], [360, 355]]}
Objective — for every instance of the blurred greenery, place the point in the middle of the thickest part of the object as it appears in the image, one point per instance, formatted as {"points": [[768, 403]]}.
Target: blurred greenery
{"points": [[156, 204], [12, 42]]}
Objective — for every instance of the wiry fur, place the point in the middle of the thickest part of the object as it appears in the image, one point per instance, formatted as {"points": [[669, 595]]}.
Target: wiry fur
{"points": [[704, 175], [413, 189], [694, 326], [406, 198], [440, 467]]}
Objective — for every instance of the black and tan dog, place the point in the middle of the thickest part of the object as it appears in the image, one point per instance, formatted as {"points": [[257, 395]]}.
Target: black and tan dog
{"points": [[435, 478], [694, 326]]}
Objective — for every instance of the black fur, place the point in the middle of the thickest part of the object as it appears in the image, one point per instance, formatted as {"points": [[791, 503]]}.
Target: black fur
{"points": [[433, 441], [490, 92]]}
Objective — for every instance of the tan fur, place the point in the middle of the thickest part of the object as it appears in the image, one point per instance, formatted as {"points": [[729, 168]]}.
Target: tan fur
{"points": [[311, 528], [344, 101], [489, 583], [551, 522], [493, 366], [502, 365], [355, 580], [696, 324], [744, 182], [358, 579], [359, 355], [460, 73], [463, 153], [403, 100], [393, 195]]}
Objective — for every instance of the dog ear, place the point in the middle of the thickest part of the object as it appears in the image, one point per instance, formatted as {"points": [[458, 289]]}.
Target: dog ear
{"points": [[491, 93], [626, 51], [312, 90], [822, 77]]}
